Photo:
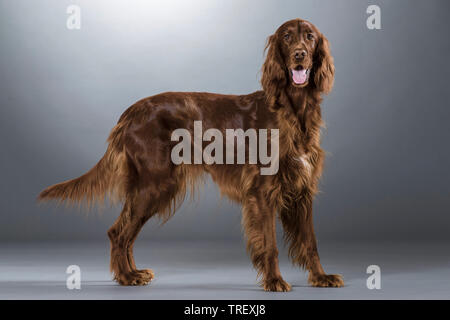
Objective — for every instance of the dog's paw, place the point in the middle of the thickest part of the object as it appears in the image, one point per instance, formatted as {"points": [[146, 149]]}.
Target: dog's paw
{"points": [[276, 285], [146, 273], [135, 278], [326, 280]]}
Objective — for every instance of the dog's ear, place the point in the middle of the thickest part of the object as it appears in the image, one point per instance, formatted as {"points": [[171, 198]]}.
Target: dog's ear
{"points": [[273, 71], [323, 66]]}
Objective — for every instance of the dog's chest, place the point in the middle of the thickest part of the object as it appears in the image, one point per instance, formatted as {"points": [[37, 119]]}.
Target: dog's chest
{"points": [[303, 154], [305, 163], [298, 174]]}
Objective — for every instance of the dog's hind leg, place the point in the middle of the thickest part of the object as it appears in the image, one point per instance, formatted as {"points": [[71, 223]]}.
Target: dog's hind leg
{"points": [[121, 235], [137, 210], [150, 195], [259, 221]]}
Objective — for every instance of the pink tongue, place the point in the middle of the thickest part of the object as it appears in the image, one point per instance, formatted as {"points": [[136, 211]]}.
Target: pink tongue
{"points": [[299, 76]]}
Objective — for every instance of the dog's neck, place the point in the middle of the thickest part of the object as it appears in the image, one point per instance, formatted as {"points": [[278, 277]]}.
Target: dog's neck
{"points": [[300, 104], [298, 98]]}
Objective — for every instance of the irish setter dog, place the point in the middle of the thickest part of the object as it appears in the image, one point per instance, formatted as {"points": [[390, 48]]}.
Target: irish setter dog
{"points": [[137, 168]]}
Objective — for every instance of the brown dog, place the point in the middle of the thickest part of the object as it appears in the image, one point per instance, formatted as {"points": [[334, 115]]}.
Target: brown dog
{"points": [[137, 168]]}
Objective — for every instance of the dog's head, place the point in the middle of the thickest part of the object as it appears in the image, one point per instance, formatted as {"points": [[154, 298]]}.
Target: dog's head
{"points": [[299, 56]]}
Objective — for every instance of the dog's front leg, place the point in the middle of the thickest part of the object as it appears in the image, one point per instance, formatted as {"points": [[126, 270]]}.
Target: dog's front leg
{"points": [[299, 232], [259, 221]]}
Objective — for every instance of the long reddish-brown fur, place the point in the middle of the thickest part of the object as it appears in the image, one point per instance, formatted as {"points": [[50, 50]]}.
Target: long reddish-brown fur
{"points": [[137, 170]]}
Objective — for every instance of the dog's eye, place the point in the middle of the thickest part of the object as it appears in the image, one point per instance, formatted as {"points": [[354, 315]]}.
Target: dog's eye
{"points": [[287, 37], [310, 36]]}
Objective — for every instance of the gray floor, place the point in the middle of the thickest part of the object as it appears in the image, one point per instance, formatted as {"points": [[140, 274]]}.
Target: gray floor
{"points": [[201, 270]]}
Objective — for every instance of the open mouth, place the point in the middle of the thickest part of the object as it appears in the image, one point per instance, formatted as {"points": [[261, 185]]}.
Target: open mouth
{"points": [[300, 75]]}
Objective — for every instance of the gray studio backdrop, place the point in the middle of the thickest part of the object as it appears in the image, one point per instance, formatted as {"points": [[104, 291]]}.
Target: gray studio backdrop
{"points": [[387, 135]]}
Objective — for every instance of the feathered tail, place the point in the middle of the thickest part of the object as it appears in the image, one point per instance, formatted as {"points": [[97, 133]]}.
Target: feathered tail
{"points": [[106, 179]]}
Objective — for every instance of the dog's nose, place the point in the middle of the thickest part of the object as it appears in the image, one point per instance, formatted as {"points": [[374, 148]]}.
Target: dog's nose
{"points": [[300, 54]]}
